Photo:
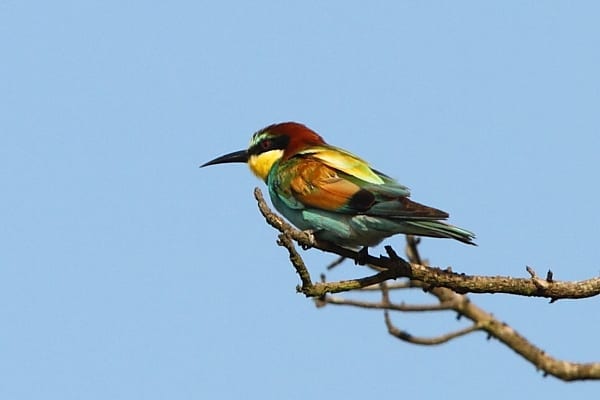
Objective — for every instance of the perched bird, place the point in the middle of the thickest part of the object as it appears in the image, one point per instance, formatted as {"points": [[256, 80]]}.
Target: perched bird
{"points": [[333, 193]]}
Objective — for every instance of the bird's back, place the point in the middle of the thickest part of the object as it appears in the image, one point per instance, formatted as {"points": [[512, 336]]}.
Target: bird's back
{"points": [[343, 199]]}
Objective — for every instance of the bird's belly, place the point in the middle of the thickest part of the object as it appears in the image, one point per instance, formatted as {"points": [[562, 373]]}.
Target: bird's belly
{"points": [[342, 229]]}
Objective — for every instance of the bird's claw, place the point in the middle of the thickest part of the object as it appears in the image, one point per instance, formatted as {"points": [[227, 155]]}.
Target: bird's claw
{"points": [[362, 256], [310, 236]]}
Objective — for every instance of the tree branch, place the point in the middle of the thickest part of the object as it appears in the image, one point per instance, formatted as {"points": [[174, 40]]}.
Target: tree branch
{"points": [[448, 287], [564, 370], [394, 267], [407, 337], [327, 299]]}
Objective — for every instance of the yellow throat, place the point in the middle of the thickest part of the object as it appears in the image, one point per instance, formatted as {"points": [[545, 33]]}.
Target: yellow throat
{"points": [[260, 164]]}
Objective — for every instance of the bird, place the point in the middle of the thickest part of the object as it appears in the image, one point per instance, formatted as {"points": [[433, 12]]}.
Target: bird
{"points": [[333, 194]]}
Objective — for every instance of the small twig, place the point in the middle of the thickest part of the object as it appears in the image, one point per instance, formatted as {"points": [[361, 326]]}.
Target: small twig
{"points": [[412, 243], [297, 262], [389, 306], [336, 262], [322, 288], [407, 337], [539, 283]]}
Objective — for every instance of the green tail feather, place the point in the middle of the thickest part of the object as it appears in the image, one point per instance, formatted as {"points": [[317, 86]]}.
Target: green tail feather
{"points": [[440, 230]]}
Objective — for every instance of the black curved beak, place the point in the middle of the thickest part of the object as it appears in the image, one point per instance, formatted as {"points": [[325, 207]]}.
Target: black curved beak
{"points": [[236, 156]]}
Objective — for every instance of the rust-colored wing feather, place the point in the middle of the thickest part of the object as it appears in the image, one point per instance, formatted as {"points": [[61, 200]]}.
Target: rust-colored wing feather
{"points": [[318, 185]]}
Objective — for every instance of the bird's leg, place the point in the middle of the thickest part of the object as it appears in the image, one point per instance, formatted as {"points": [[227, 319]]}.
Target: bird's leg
{"points": [[362, 256]]}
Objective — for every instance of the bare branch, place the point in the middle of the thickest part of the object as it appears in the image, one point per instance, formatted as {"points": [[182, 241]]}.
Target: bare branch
{"points": [[383, 306], [407, 337], [394, 267], [297, 262], [393, 286], [485, 321], [446, 286]]}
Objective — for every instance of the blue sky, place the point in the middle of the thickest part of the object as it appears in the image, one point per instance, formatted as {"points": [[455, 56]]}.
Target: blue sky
{"points": [[126, 272]]}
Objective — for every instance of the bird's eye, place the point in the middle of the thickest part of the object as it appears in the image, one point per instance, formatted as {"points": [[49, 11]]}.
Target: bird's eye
{"points": [[266, 144]]}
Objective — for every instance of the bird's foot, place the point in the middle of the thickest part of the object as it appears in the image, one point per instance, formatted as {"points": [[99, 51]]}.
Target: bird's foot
{"points": [[310, 235], [362, 256]]}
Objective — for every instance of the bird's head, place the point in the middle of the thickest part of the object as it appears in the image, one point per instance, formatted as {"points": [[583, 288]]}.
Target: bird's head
{"points": [[271, 144]]}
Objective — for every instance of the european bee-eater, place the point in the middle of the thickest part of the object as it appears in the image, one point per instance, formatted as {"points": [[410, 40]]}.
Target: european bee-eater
{"points": [[333, 193]]}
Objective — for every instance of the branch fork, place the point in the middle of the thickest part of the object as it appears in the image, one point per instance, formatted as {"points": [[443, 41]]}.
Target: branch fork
{"points": [[448, 287]]}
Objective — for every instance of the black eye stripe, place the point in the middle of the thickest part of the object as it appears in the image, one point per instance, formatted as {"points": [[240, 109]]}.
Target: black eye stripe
{"points": [[269, 143]]}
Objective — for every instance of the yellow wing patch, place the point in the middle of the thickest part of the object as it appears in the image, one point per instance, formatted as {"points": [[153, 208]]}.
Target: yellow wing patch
{"points": [[346, 162]]}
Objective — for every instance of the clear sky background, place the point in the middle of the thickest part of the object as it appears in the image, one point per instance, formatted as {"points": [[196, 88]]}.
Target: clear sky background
{"points": [[128, 273]]}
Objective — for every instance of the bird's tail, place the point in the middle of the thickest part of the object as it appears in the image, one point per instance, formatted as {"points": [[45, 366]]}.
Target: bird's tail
{"points": [[440, 229]]}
